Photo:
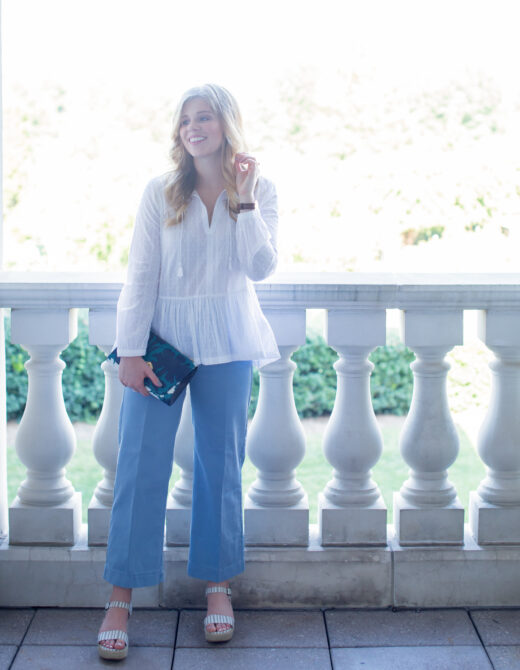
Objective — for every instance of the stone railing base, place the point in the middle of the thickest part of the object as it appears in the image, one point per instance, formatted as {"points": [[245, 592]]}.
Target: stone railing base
{"points": [[287, 577]]}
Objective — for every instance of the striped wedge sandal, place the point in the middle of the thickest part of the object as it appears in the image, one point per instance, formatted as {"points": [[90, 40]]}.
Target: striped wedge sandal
{"points": [[219, 635], [111, 653]]}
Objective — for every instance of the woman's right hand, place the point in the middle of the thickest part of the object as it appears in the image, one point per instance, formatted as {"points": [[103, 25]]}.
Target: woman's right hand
{"points": [[133, 370]]}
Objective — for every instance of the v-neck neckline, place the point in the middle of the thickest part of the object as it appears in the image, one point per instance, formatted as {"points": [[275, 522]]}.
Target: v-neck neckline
{"points": [[209, 225]]}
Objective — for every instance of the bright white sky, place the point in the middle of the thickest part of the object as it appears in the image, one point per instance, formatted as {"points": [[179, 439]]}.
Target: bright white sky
{"points": [[172, 45], [159, 48]]}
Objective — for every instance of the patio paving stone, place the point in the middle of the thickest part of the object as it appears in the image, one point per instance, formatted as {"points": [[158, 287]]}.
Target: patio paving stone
{"points": [[7, 652], [43, 657], [13, 624], [411, 658], [385, 628], [259, 629], [150, 628], [498, 627], [504, 657], [80, 626], [252, 659]]}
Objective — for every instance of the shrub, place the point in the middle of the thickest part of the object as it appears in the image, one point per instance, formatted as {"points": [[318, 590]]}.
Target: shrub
{"points": [[83, 378], [314, 379], [314, 383], [16, 377], [391, 383]]}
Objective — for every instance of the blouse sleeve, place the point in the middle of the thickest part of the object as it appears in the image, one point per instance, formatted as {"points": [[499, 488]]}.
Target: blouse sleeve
{"points": [[256, 232], [136, 304]]}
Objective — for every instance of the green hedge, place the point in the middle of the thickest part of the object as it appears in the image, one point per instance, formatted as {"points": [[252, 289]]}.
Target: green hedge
{"points": [[391, 382], [314, 378]]}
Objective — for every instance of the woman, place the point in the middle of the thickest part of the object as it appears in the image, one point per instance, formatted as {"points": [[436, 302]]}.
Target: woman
{"points": [[203, 231]]}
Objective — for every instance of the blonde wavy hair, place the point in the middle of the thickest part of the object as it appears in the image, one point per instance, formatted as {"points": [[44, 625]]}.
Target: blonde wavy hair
{"points": [[182, 180]]}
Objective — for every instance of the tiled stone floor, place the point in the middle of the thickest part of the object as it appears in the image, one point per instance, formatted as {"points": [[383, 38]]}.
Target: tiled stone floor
{"points": [[53, 638]]}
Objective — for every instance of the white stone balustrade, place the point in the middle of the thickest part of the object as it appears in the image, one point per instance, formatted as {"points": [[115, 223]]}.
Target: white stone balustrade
{"points": [[350, 558], [351, 508], [495, 507], [276, 510], [105, 442], [178, 509], [47, 509], [427, 509]]}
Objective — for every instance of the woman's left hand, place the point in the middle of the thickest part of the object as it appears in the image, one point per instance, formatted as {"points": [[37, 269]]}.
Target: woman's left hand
{"points": [[246, 173]]}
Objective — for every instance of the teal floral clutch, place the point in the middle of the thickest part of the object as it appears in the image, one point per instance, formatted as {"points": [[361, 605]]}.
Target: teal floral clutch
{"points": [[174, 369]]}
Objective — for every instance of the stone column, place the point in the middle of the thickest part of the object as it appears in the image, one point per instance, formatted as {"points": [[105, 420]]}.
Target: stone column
{"points": [[178, 507], [47, 509], [276, 506], [351, 509], [427, 510], [105, 441], [494, 511]]}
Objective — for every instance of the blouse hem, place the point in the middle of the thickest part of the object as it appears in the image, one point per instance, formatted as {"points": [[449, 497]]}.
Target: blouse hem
{"points": [[258, 361]]}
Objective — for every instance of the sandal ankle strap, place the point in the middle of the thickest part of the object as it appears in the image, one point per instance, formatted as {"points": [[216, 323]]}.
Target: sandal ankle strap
{"points": [[218, 589], [119, 603]]}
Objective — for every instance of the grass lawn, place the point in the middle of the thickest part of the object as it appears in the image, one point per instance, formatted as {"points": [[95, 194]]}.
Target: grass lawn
{"points": [[313, 473]]}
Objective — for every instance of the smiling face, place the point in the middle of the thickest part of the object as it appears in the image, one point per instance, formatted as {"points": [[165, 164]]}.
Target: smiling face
{"points": [[200, 128]]}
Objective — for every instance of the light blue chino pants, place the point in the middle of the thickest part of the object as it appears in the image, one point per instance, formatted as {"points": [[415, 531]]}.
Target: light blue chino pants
{"points": [[220, 397]]}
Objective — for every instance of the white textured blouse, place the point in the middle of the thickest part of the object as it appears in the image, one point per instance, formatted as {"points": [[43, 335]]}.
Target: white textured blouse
{"points": [[191, 282]]}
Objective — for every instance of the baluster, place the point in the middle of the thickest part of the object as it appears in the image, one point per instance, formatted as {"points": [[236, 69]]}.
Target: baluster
{"points": [[427, 509], [351, 509], [105, 441], [47, 509], [178, 508], [276, 510], [494, 513]]}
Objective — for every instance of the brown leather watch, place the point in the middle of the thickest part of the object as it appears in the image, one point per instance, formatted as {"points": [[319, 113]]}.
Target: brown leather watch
{"points": [[244, 206]]}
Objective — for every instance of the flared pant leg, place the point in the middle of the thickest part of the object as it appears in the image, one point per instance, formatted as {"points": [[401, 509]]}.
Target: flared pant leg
{"points": [[147, 429], [220, 397]]}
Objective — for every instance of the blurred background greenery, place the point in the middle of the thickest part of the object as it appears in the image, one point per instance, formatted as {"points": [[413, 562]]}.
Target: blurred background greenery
{"points": [[390, 152]]}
